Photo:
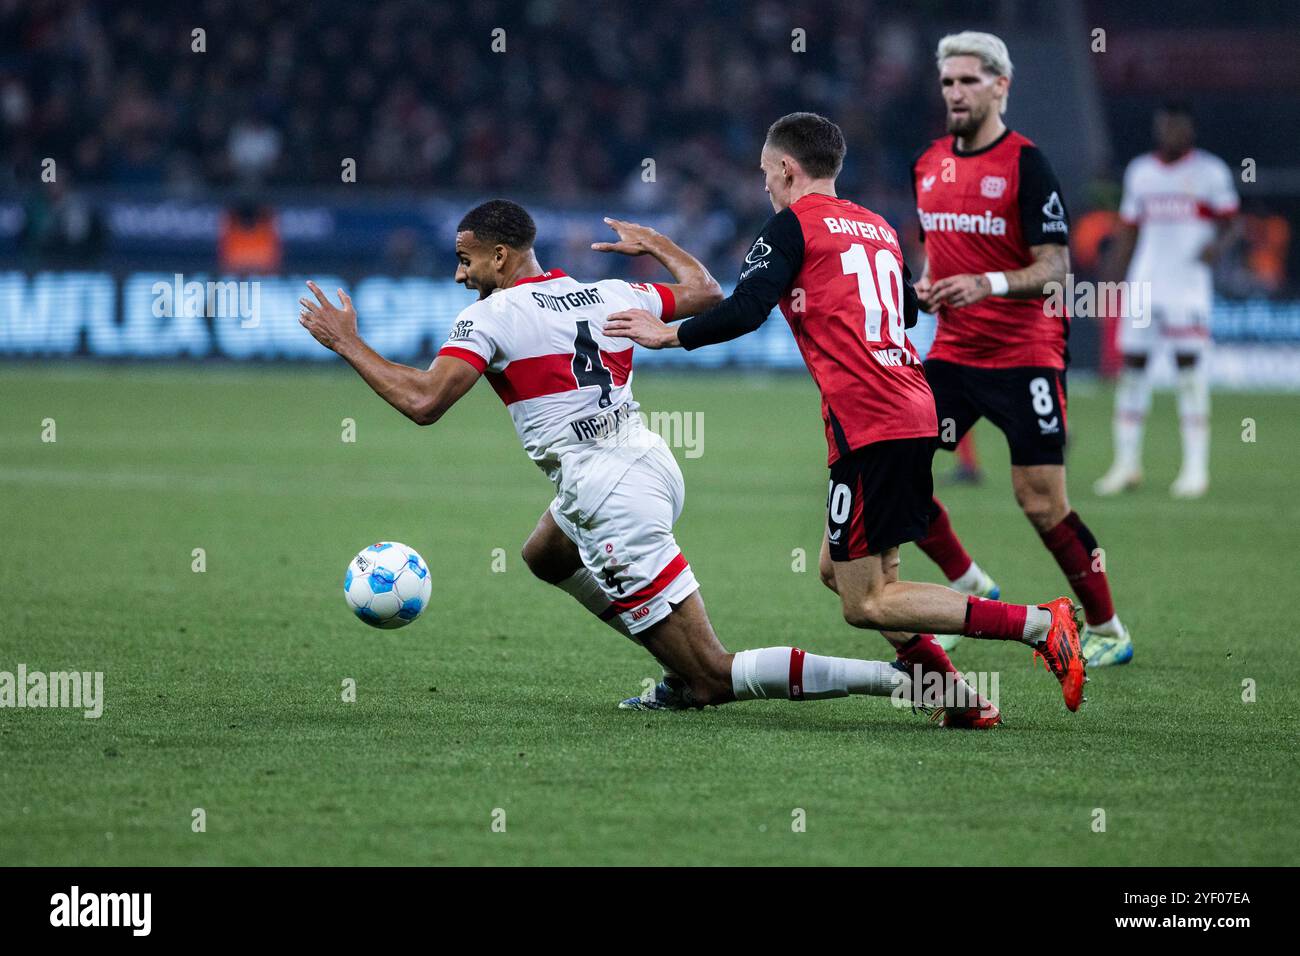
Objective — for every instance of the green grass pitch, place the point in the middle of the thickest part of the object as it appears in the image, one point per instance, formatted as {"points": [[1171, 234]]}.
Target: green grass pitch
{"points": [[223, 688]]}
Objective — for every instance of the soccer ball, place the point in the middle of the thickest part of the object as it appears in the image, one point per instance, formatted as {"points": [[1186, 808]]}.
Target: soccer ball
{"points": [[387, 585]]}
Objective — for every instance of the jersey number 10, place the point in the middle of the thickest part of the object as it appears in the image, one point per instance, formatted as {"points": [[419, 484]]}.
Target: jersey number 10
{"points": [[889, 277]]}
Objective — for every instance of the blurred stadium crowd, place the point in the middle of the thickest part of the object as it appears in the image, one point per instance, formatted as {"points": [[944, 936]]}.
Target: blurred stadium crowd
{"points": [[568, 114]]}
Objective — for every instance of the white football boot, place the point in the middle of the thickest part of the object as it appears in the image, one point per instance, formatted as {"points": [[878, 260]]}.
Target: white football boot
{"points": [[1119, 479], [1190, 484]]}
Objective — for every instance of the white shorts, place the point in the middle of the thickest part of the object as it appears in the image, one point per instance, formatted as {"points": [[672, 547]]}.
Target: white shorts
{"points": [[1182, 329], [628, 544]]}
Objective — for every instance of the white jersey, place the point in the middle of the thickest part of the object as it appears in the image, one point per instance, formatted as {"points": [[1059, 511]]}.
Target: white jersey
{"points": [[568, 387], [1174, 205]]}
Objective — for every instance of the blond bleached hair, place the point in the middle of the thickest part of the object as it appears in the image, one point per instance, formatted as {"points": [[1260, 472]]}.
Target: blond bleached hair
{"points": [[987, 48]]}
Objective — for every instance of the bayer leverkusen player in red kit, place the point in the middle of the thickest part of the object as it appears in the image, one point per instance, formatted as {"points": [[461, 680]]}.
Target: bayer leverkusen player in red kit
{"points": [[837, 273], [996, 232]]}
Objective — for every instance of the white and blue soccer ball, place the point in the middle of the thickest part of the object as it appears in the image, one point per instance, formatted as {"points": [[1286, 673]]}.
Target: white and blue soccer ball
{"points": [[387, 585]]}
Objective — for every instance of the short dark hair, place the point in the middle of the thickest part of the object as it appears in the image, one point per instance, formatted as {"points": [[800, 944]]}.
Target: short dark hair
{"points": [[1176, 108], [813, 140], [500, 221]]}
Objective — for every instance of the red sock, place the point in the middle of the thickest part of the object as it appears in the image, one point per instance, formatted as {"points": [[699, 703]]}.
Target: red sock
{"points": [[924, 651], [942, 546], [966, 453], [1075, 550], [994, 619]]}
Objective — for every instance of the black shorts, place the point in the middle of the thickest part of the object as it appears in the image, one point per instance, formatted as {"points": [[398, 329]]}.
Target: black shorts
{"points": [[880, 497], [1027, 405]]}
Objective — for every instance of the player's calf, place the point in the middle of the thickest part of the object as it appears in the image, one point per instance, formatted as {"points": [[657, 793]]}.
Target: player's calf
{"points": [[1040, 492], [826, 570]]}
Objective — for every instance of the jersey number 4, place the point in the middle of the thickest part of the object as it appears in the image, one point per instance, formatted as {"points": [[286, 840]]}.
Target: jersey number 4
{"points": [[588, 369], [888, 276]]}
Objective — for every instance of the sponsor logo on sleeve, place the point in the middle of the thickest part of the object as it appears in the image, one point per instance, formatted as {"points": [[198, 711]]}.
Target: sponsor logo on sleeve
{"points": [[757, 258], [1054, 215], [462, 330]]}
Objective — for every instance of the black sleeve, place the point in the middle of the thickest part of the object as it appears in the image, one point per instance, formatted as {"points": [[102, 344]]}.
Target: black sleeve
{"points": [[911, 302], [916, 200], [1043, 217], [770, 269]]}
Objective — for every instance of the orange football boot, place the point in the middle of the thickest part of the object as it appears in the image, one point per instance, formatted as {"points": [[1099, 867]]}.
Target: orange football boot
{"points": [[1061, 652]]}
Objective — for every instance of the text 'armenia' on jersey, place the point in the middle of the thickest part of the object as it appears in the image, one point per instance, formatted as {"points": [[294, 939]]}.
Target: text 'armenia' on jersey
{"points": [[982, 211]]}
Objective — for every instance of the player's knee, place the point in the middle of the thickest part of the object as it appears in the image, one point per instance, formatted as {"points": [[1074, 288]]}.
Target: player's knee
{"points": [[865, 612], [531, 557], [541, 562]]}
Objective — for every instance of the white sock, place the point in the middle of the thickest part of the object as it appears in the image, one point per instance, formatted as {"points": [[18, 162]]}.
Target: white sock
{"points": [[970, 580], [582, 584], [767, 672], [1038, 621], [1111, 628], [1132, 403], [1194, 418]]}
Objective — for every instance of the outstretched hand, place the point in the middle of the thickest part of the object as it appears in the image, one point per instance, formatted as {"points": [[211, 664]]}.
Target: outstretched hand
{"points": [[328, 323], [633, 239]]}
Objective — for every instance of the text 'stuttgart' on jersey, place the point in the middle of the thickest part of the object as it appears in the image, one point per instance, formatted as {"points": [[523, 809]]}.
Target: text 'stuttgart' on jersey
{"points": [[981, 211], [567, 386], [1175, 205], [837, 273]]}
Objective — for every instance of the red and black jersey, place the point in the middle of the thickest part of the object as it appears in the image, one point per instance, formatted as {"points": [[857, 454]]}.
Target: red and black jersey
{"points": [[837, 273], [981, 211]]}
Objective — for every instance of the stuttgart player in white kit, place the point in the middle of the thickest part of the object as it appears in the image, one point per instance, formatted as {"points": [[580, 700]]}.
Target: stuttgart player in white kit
{"points": [[568, 388], [1176, 204], [607, 537]]}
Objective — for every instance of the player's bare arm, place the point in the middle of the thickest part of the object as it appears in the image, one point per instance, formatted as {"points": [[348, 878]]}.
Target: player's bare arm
{"points": [[695, 289], [422, 396], [1123, 241], [924, 287], [1226, 232], [1051, 263]]}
